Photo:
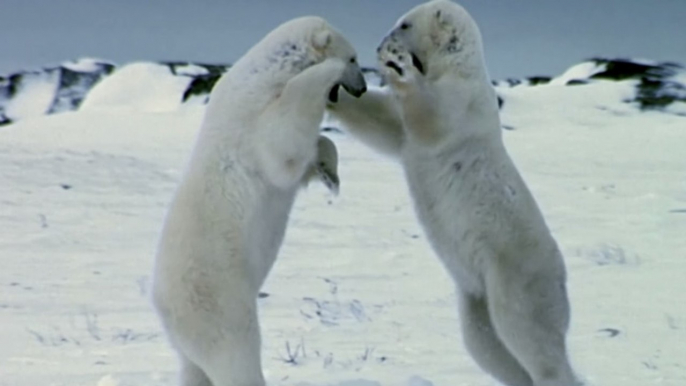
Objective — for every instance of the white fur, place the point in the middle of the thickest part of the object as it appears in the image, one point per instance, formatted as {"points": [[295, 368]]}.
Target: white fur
{"points": [[259, 137], [476, 210]]}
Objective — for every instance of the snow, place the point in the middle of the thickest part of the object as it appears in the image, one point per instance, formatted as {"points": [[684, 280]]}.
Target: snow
{"points": [[680, 77], [571, 103], [84, 65], [677, 108], [580, 71], [191, 70], [138, 86], [34, 95], [356, 298]]}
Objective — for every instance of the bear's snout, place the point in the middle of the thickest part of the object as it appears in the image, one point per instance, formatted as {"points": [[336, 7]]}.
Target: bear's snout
{"points": [[353, 80], [387, 40]]}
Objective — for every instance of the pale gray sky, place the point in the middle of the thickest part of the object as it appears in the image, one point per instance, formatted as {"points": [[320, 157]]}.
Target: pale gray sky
{"points": [[525, 37]]}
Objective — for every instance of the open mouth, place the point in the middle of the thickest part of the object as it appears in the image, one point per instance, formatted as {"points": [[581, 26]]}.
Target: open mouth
{"points": [[417, 64], [333, 93], [395, 67]]}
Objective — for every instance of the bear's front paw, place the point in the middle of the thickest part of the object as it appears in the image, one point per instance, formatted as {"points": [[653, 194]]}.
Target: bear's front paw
{"points": [[329, 177], [397, 66]]}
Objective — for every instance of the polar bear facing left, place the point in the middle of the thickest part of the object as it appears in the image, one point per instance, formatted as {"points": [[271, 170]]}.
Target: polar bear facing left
{"points": [[258, 143], [440, 119]]}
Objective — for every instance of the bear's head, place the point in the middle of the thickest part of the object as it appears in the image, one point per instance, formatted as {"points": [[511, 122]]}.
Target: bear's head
{"points": [[327, 42], [309, 40], [440, 36]]}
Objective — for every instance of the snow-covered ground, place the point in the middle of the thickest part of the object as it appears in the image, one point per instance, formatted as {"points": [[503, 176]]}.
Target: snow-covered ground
{"points": [[356, 297]]}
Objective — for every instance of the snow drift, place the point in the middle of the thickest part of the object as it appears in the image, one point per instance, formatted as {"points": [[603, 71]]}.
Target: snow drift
{"points": [[655, 86]]}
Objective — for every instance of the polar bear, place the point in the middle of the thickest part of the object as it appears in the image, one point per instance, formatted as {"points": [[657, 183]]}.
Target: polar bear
{"points": [[258, 143], [439, 117]]}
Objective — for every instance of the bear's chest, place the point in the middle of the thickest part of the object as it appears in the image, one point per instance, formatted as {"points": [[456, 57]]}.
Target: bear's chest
{"points": [[441, 196]]}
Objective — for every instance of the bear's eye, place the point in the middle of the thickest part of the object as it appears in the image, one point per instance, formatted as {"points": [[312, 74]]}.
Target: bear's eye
{"points": [[353, 60], [405, 26]]}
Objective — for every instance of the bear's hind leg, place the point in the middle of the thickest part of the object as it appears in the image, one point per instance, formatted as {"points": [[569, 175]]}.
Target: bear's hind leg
{"points": [[191, 374], [485, 346], [223, 345], [530, 313], [234, 359]]}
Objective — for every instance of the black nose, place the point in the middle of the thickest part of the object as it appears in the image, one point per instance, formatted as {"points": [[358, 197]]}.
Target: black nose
{"points": [[356, 92]]}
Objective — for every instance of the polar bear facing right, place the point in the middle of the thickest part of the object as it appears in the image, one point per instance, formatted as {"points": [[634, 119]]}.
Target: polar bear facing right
{"points": [[439, 117], [258, 144]]}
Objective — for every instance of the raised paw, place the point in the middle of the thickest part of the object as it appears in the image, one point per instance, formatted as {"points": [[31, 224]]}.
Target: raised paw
{"points": [[325, 166], [397, 64], [328, 177]]}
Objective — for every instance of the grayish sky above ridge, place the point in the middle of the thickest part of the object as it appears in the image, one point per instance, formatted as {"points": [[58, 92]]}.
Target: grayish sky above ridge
{"points": [[521, 38]]}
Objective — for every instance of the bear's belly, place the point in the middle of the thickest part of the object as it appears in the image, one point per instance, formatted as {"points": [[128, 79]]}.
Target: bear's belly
{"points": [[266, 231], [445, 212]]}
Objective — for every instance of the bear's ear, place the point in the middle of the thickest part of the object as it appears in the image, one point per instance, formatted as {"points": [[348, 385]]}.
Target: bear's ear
{"points": [[442, 19], [321, 40]]}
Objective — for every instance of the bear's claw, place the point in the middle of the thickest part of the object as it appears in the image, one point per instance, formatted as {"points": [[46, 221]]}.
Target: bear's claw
{"points": [[329, 179]]}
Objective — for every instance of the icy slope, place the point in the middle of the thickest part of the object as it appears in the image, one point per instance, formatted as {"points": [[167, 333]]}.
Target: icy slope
{"points": [[356, 298]]}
